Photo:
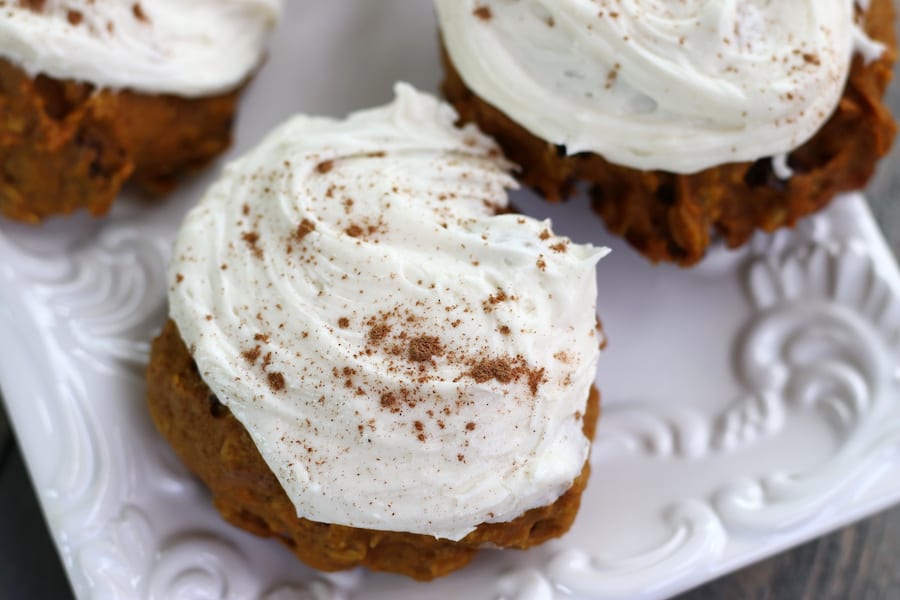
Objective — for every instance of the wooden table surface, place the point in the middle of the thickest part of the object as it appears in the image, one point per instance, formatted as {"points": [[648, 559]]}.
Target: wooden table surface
{"points": [[859, 562]]}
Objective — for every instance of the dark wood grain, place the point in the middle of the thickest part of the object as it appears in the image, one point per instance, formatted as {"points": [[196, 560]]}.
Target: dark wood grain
{"points": [[29, 565], [858, 562]]}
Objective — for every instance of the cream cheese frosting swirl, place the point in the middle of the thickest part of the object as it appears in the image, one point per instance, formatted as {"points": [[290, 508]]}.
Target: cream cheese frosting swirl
{"points": [[405, 356], [194, 48], [655, 84]]}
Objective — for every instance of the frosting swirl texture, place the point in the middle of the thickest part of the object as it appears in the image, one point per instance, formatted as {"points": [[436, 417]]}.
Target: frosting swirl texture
{"points": [[404, 357], [195, 48], [654, 84]]}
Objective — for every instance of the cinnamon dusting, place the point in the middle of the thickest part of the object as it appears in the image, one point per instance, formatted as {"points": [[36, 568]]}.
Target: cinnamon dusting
{"points": [[34, 5], [505, 370], [483, 12], [276, 381], [378, 332], [303, 229], [138, 11], [424, 347], [251, 238], [252, 355]]}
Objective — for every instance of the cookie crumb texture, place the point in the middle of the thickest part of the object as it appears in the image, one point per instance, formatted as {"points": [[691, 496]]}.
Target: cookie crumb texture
{"points": [[65, 145], [671, 217], [217, 448]]}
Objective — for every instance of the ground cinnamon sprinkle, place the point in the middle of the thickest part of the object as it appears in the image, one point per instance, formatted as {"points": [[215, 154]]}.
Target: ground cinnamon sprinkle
{"points": [[35, 5], [276, 381], [343, 322], [354, 230], [535, 379], [422, 348], [505, 370], [483, 12], [304, 228], [251, 355], [378, 332], [389, 401], [494, 299], [251, 238], [492, 368], [499, 297], [325, 166], [139, 13]]}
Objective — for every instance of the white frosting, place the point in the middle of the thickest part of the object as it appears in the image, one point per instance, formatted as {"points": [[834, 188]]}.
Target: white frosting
{"points": [[655, 84], [403, 357], [189, 48], [870, 50], [780, 167]]}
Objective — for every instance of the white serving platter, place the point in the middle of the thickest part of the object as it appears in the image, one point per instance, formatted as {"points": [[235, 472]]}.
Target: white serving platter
{"points": [[750, 403]]}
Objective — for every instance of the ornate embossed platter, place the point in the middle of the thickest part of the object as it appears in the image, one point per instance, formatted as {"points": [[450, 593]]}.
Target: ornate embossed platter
{"points": [[751, 403]]}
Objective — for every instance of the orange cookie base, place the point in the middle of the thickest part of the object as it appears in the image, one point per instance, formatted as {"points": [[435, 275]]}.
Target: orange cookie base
{"points": [[671, 217], [66, 146], [217, 448]]}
